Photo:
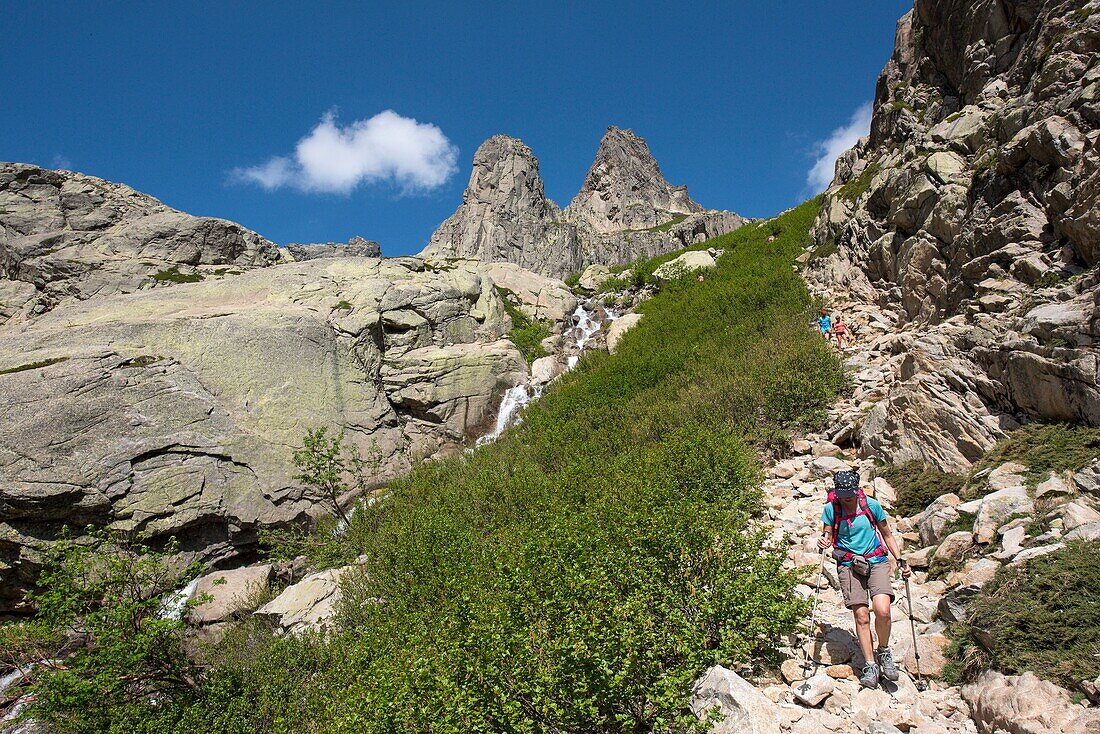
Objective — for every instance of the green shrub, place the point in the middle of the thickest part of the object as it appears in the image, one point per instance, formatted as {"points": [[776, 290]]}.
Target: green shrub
{"points": [[860, 185], [917, 485], [173, 275], [32, 365], [1043, 616], [109, 595], [526, 333], [1044, 448]]}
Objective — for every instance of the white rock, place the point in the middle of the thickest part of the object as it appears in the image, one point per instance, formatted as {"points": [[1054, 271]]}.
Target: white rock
{"points": [[309, 605], [955, 545], [619, 327], [228, 593], [1076, 514], [545, 369], [743, 709], [997, 507], [813, 691], [687, 263], [1028, 553], [827, 466]]}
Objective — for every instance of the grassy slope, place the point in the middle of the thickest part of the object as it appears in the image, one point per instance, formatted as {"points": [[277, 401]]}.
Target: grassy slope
{"points": [[579, 573]]}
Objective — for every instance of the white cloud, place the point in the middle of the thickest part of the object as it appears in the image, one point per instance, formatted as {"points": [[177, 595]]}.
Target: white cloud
{"points": [[839, 140], [416, 156]]}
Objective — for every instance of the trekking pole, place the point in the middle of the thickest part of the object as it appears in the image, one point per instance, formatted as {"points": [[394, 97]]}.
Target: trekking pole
{"points": [[813, 610], [921, 685]]}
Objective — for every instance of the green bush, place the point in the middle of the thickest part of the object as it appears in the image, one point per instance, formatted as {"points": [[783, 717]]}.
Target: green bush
{"points": [[917, 485], [173, 275], [1046, 447], [526, 333], [1043, 616], [106, 597]]}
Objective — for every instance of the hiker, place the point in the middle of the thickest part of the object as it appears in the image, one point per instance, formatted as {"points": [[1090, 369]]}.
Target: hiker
{"points": [[841, 330], [825, 323], [701, 278], [856, 528]]}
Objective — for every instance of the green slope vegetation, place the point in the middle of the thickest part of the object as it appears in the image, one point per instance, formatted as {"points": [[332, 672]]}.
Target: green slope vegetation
{"points": [[578, 574]]}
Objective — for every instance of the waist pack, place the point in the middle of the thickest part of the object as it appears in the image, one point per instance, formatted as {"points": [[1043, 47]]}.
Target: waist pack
{"points": [[860, 564]]}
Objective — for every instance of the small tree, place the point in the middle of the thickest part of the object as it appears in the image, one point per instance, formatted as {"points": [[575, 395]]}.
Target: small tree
{"points": [[102, 605], [332, 468]]}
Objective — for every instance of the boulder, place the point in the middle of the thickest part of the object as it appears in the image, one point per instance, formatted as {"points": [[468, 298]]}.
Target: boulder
{"points": [[933, 654], [742, 708], [952, 605], [594, 276], [997, 507], [955, 546], [1006, 476], [689, 262], [827, 466], [539, 296], [224, 594], [545, 369], [932, 523], [794, 670], [307, 606], [1025, 704], [619, 327], [1075, 514], [1052, 488], [813, 691]]}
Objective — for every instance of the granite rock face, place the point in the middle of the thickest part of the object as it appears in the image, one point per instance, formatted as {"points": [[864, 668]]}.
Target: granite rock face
{"points": [[505, 215], [174, 411], [625, 189], [625, 210], [969, 214], [70, 236], [355, 247]]}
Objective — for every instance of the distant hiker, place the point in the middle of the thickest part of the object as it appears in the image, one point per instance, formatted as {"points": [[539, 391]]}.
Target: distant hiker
{"points": [[701, 279], [856, 528], [825, 323], [841, 330]]}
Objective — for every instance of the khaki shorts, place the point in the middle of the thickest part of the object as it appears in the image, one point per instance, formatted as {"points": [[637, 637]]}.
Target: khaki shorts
{"points": [[856, 588]]}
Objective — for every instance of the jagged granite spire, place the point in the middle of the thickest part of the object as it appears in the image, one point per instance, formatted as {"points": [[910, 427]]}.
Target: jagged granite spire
{"points": [[625, 189], [505, 215]]}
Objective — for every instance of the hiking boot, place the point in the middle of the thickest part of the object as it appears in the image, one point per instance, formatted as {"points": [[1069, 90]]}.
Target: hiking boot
{"points": [[869, 678], [885, 660]]}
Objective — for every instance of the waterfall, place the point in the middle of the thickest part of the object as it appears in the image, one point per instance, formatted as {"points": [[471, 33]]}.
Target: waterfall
{"points": [[510, 406], [519, 396], [588, 327], [172, 606]]}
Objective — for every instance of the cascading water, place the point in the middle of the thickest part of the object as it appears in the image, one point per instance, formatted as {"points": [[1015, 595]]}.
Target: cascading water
{"points": [[172, 606], [519, 396], [587, 328], [510, 406]]}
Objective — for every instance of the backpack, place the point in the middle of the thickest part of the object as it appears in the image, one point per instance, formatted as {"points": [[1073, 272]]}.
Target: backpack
{"points": [[843, 554]]}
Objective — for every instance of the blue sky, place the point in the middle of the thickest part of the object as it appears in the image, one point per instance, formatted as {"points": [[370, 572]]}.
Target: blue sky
{"points": [[181, 100]]}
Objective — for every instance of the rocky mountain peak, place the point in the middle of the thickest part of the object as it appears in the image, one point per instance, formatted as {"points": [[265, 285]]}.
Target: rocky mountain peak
{"points": [[625, 189], [505, 215]]}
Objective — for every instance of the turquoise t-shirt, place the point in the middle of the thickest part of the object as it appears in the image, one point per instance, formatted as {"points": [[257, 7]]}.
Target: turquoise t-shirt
{"points": [[826, 324], [861, 538]]}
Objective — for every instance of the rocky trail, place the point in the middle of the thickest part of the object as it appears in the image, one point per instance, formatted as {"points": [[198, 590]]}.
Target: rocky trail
{"points": [[818, 688]]}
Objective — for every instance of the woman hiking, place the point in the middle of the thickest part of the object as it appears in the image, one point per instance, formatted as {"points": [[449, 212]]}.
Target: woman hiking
{"points": [[841, 330], [856, 528], [825, 323]]}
